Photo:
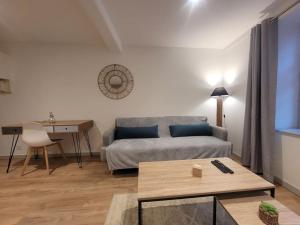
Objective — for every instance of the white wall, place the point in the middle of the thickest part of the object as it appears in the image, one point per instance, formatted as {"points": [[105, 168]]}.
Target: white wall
{"points": [[168, 81], [236, 58], [5, 70], [286, 160], [3, 66], [63, 79]]}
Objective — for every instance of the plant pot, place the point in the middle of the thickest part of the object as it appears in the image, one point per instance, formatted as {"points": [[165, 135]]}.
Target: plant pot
{"points": [[268, 218]]}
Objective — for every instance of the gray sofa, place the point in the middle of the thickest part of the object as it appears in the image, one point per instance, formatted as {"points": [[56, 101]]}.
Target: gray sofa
{"points": [[127, 153]]}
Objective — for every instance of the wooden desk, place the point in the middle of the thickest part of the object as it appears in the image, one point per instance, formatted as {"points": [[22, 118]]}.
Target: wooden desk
{"points": [[170, 180], [244, 210], [73, 127]]}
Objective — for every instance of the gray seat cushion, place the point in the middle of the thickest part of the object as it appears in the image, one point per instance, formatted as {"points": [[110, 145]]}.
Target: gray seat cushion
{"points": [[127, 153]]}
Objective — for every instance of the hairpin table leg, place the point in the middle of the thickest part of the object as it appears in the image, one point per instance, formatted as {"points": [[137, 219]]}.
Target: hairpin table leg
{"points": [[12, 150], [76, 142], [79, 150], [87, 139]]}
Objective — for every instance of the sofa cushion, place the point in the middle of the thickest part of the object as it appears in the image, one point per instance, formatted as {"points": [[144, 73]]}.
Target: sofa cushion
{"points": [[190, 130], [127, 153], [162, 122], [136, 132]]}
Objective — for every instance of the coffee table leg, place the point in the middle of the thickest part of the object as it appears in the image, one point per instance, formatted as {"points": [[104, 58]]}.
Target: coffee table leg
{"points": [[215, 211], [272, 193], [140, 217]]}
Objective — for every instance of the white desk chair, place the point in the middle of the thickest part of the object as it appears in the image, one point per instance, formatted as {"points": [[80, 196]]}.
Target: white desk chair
{"points": [[36, 137]]}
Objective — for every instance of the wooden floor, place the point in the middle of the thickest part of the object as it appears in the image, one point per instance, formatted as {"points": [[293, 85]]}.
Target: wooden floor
{"points": [[71, 196]]}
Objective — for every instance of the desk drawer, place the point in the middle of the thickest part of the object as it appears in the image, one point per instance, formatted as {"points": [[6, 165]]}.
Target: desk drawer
{"points": [[11, 130], [65, 129], [49, 129]]}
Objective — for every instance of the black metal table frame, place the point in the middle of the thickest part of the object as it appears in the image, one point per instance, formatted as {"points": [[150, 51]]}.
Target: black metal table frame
{"points": [[12, 150], [76, 143], [215, 196]]}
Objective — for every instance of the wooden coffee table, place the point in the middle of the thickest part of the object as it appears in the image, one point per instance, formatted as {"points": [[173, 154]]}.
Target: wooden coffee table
{"points": [[170, 180], [244, 210]]}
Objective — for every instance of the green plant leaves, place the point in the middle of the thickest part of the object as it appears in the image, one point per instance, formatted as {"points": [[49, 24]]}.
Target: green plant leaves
{"points": [[268, 208]]}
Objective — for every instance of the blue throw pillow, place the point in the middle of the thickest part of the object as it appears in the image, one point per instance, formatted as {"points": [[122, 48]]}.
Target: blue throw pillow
{"points": [[190, 130], [136, 132]]}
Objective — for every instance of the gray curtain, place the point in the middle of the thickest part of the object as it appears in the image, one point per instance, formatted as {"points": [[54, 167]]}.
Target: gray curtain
{"points": [[259, 124]]}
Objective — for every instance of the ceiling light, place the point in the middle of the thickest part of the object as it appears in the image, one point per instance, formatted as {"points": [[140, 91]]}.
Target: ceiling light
{"points": [[191, 5], [194, 2]]}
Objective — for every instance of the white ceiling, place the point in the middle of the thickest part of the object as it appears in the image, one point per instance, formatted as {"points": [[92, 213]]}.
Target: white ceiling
{"points": [[212, 23], [163, 23], [46, 21]]}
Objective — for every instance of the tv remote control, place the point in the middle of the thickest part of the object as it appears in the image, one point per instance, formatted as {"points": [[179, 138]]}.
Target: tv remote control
{"points": [[221, 166]]}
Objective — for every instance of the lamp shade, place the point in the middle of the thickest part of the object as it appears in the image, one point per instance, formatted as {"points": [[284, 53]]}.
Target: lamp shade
{"points": [[220, 91]]}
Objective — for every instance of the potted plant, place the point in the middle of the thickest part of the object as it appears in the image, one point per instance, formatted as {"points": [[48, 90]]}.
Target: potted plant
{"points": [[268, 213]]}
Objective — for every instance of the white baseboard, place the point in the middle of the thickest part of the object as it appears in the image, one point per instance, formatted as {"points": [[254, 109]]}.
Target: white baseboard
{"points": [[287, 186]]}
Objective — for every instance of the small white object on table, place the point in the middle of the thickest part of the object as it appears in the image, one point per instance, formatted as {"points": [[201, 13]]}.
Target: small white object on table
{"points": [[197, 170]]}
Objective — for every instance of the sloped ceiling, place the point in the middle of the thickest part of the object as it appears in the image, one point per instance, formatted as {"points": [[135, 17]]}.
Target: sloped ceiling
{"points": [[160, 23], [46, 21]]}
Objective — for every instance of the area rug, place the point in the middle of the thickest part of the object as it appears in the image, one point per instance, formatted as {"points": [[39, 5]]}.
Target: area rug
{"points": [[196, 211]]}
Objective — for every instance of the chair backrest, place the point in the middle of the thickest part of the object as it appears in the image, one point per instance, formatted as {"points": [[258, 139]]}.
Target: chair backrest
{"points": [[35, 135]]}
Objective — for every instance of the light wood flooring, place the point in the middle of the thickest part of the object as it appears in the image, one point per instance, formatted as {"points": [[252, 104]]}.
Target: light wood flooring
{"points": [[71, 196]]}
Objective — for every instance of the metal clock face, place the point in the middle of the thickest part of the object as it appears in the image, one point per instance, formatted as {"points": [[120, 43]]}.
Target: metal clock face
{"points": [[115, 81]]}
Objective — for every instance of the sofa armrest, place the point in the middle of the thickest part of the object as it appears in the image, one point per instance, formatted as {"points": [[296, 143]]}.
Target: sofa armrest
{"points": [[108, 137], [220, 132]]}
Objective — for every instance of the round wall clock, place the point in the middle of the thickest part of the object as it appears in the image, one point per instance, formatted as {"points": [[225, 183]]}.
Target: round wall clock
{"points": [[115, 81]]}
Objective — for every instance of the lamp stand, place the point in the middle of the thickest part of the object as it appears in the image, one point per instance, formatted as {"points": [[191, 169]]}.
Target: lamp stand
{"points": [[219, 111]]}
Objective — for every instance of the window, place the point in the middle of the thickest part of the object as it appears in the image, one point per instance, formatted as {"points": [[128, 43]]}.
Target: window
{"points": [[288, 75]]}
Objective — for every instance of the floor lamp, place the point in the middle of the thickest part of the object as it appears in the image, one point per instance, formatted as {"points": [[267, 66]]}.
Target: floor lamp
{"points": [[219, 93]]}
